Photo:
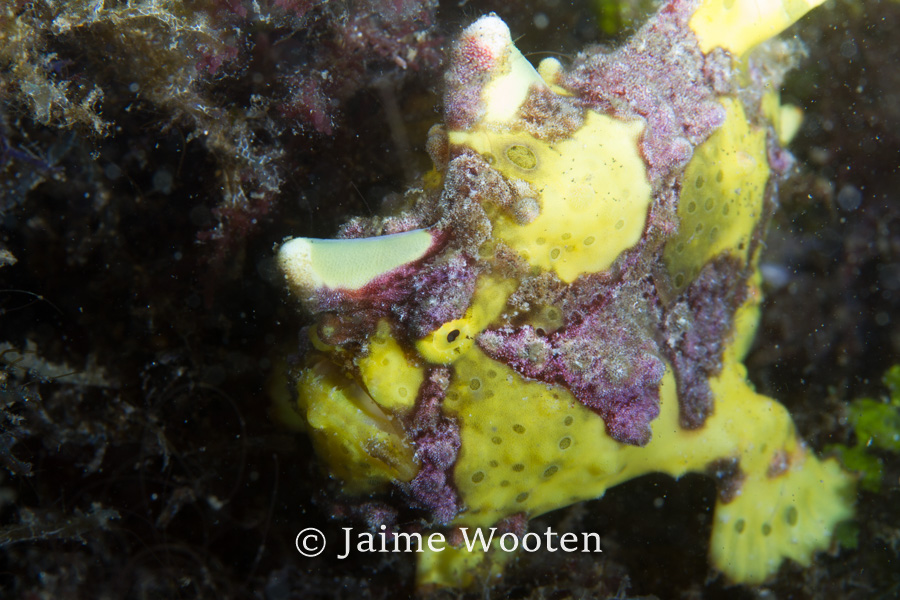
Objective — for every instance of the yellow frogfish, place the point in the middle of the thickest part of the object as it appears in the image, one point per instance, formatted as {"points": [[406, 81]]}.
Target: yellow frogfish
{"points": [[565, 302]]}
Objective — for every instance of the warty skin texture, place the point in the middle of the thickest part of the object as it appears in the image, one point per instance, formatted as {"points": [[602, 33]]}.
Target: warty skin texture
{"points": [[571, 310]]}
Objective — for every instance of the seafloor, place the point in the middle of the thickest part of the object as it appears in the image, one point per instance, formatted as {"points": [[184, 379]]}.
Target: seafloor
{"points": [[150, 158]]}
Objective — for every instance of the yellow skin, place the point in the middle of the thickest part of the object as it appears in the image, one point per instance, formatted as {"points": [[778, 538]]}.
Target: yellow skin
{"points": [[531, 447]]}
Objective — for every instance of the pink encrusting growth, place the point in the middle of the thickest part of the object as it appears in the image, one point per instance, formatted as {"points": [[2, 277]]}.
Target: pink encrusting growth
{"points": [[625, 394], [309, 103], [420, 295], [696, 329], [437, 444], [602, 354], [439, 294], [368, 43], [660, 75]]}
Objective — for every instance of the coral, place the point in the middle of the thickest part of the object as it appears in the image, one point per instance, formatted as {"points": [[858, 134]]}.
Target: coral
{"points": [[63, 64], [604, 224]]}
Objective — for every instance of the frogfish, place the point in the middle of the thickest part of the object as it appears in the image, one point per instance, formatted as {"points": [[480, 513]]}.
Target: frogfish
{"points": [[565, 300]]}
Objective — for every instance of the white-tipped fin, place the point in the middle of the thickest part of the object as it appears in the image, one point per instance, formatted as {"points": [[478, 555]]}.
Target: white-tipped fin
{"points": [[508, 88]]}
